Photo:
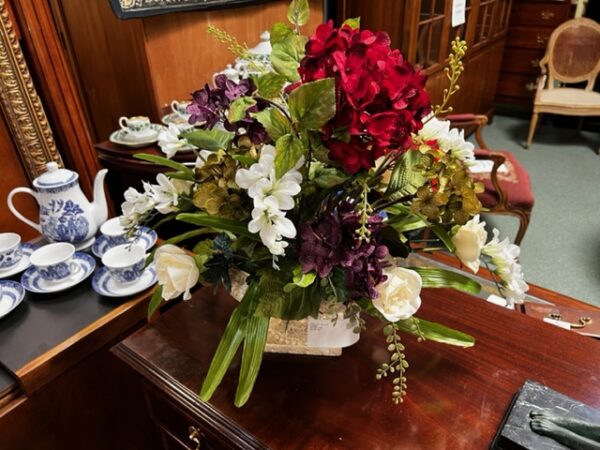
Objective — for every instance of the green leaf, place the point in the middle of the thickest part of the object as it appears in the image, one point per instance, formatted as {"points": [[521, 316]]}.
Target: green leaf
{"points": [[181, 175], [303, 279], [212, 140], [279, 32], [286, 56], [328, 177], [238, 108], [155, 159], [155, 301], [405, 179], [438, 333], [441, 233], [289, 150], [441, 278], [298, 12], [269, 84], [203, 252], [408, 222], [257, 329], [339, 284], [353, 23], [274, 121], [313, 104], [244, 159], [219, 223]]}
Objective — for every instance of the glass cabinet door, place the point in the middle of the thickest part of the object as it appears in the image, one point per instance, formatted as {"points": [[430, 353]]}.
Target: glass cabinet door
{"points": [[461, 30], [431, 39]]}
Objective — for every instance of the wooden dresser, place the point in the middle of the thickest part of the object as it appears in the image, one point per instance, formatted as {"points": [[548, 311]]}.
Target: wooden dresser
{"points": [[531, 23]]}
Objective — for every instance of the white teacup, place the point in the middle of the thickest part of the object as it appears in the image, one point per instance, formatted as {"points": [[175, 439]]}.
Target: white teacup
{"points": [[11, 251], [113, 231], [136, 126], [180, 108], [54, 262], [125, 263]]}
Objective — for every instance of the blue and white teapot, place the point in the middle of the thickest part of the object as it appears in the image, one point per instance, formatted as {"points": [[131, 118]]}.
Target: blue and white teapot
{"points": [[66, 215]]}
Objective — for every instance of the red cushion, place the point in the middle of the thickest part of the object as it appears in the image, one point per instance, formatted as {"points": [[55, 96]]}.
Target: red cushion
{"points": [[515, 183]]}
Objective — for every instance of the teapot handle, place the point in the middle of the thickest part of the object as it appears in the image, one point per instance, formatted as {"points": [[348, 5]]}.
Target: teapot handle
{"points": [[17, 213]]}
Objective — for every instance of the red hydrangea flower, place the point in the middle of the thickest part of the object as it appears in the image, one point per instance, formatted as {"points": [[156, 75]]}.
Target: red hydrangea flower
{"points": [[381, 98]]}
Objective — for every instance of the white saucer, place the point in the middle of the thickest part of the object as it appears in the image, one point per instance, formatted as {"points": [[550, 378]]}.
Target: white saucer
{"points": [[83, 246], [23, 263], [104, 285], [146, 237], [122, 137], [11, 295], [176, 120], [33, 281]]}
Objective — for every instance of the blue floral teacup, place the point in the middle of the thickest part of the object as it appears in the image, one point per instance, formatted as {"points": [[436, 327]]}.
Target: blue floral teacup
{"points": [[114, 233], [125, 263], [54, 262], [10, 250]]}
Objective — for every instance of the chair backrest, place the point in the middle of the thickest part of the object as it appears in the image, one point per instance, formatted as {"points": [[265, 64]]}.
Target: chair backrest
{"points": [[573, 53]]}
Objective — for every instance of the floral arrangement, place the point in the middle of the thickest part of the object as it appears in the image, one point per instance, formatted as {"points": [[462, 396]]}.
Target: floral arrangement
{"points": [[312, 176]]}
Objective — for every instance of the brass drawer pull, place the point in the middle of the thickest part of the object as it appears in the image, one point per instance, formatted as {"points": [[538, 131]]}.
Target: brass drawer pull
{"points": [[195, 436], [547, 14], [530, 86], [535, 62], [582, 323], [540, 39]]}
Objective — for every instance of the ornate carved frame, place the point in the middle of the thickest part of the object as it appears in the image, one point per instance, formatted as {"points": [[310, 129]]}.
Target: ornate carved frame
{"points": [[21, 104]]}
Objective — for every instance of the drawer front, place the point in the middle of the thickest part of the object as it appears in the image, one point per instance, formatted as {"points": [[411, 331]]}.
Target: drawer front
{"points": [[550, 14], [528, 37], [177, 426], [516, 85], [524, 61]]}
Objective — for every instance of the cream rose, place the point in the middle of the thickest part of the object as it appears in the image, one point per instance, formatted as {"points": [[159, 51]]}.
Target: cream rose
{"points": [[399, 295], [176, 271], [469, 240]]}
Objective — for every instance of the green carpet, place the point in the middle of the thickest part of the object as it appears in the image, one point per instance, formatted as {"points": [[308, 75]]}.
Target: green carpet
{"points": [[561, 250]]}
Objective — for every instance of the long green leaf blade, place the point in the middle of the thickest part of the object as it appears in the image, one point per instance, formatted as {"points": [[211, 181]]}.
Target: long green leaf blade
{"points": [[155, 301], [441, 278], [219, 223], [254, 346], [439, 333], [161, 161]]}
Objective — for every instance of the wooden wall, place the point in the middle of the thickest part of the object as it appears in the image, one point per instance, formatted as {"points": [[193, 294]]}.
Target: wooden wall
{"points": [[138, 66]]}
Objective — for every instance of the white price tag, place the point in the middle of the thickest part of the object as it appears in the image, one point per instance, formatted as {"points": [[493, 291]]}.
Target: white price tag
{"points": [[326, 333], [458, 12]]}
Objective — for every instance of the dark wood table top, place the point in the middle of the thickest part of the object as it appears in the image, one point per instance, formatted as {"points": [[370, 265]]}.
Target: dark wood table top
{"points": [[456, 397], [107, 149]]}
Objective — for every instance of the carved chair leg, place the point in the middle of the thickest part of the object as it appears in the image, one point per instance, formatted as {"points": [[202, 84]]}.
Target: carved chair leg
{"points": [[532, 127], [524, 217]]}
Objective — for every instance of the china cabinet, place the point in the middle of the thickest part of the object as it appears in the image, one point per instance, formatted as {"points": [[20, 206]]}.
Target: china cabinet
{"points": [[423, 30]]}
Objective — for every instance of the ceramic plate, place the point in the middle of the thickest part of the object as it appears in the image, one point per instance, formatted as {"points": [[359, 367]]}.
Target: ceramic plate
{"points": [[122, 137], [23, 264], [11, 295], [146, 237], [33, 282], [104, 285]]}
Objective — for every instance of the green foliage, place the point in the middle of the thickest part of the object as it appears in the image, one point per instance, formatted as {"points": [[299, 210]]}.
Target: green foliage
{"points": [[289, 151], [435, 332], [397, 365], [338, 284], [257, 329], [274, 121], [279, 33], [218, 223], [441, 278], [203, 252], [300, 279], [405, 180], [155, 301], [327, 177], [298, 12], [353, 23], [238, 108], [212, 140], [162, 161], [269, 84], [313, 104], [286, 56], [244, 159]]}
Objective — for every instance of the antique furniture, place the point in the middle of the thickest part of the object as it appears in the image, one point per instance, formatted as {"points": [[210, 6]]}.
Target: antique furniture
{"points": [[422, 29], [531, 23], [505, 193], [456, 397], [572, 56]]}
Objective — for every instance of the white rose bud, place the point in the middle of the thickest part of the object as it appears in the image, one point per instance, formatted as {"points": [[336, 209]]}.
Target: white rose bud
{"points": [[176, 271], [469, 240], [399, 295]]}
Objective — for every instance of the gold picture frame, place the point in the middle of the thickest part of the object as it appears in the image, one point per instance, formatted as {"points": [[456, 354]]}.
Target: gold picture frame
{"points": [[20, 103]]}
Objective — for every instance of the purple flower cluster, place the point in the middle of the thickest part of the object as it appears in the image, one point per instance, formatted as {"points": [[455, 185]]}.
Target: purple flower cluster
{"points": [[331, 241], [209, 107]]}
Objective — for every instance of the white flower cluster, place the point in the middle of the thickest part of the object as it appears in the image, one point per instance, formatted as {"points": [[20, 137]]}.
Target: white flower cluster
{"points": [[163, 197], [170, 143], [272, 197], [449, 140]]}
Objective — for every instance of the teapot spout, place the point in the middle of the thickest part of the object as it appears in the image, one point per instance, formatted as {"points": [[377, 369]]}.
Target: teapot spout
{"points": [[99, 205]]}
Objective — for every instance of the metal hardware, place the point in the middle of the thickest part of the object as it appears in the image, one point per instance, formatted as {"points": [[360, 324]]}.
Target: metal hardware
{"points": [[583, 321], [195, 436], [547, 14], [535, 62], [540, 39], [530, 86]]}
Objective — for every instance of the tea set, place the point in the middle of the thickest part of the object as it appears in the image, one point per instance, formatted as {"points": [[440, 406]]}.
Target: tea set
{"points": [[136, 131], [178, 116], [69, 222]]}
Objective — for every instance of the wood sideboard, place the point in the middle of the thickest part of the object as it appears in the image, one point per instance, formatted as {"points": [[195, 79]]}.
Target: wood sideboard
{"points": [[456, 397]]}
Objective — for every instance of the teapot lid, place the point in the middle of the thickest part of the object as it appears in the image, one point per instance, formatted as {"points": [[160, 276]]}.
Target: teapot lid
{"points": [[55, 177], [264, 46]]}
